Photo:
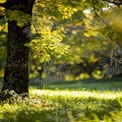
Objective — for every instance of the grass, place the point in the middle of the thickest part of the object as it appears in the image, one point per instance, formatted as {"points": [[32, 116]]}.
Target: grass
{"points": [[88, 84], [64, 106], [76, 101]]}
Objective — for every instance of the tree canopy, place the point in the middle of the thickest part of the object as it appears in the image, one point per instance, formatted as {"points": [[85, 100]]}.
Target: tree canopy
{"points": [[72, 31]]}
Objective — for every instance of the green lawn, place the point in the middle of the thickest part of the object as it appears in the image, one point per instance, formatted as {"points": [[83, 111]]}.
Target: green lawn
{"points": [[74, 101], [88, 84], [64, 106]]}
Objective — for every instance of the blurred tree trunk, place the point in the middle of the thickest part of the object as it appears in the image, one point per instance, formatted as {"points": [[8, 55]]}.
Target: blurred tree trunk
{"points": [[16, 75]]}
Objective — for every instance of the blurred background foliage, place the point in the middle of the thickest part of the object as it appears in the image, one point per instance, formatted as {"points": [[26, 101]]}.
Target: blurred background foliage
{"points": [[68, 38]]}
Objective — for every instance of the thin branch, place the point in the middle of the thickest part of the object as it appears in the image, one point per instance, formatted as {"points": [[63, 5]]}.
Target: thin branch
{"points": [[96, 11]]}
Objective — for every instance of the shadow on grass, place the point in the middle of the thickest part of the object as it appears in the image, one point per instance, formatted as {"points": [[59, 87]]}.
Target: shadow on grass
{"points": [[50, 113], [113, 84]]}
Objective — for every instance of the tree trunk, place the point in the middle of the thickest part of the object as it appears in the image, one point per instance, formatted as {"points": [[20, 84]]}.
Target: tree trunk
{"points": [[16, 75]]}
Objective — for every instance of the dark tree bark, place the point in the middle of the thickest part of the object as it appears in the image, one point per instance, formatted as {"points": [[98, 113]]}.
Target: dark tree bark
{"points": [[16, 75]]}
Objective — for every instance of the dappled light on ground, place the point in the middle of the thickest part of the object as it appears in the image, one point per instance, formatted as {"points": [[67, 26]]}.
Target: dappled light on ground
{"points": [[78, 93], [64, 105]]}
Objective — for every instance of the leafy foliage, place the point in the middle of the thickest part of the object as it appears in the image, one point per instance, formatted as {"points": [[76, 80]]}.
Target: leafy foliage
{"points": [[56, 33], [49, 45], [20, 17]]}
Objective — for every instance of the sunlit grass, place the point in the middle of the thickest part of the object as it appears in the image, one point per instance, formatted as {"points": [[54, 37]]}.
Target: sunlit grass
{"points": [[64, 106], [78, 93]]}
